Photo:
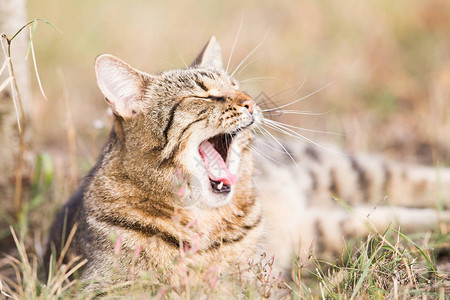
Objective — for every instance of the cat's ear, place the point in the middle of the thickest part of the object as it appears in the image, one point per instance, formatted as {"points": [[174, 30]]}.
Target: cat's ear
{"points": [[122, 85], [211, 55]]}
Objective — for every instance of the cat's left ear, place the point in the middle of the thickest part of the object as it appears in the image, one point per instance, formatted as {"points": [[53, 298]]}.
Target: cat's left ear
{"points": [[122, 85], [211, 56]]}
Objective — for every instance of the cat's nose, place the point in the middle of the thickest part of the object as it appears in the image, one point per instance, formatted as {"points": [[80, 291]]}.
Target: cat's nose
{"points": [[246, 101], [249, 104]]}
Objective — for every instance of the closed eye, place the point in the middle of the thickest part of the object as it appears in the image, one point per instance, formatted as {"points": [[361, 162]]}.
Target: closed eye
{"points": [[213, 98], [220, 99]]}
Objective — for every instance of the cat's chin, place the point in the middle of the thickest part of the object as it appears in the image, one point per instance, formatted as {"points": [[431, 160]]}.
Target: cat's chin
{"points": [[212, 199]]}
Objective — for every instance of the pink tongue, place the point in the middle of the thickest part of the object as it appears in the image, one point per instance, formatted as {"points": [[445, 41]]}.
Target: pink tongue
{"points": [[214, 164]]}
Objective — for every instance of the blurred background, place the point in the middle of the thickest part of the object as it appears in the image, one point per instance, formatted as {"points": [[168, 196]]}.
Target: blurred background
{"points": [[389, 63]]}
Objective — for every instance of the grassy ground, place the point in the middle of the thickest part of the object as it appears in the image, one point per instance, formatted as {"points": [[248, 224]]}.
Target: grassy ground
{"points": [[386, 265], [391, 71]]}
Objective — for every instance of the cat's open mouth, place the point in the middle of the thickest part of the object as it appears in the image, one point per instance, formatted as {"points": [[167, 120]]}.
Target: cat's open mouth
{"points": [[214, 153]]}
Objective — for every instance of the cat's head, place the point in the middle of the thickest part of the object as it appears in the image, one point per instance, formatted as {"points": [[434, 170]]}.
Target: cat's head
{"points": [[195, 120]]}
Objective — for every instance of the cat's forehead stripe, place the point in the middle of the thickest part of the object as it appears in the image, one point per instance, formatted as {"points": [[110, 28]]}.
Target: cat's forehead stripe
{"points": [[201, 85], [209, 74]]}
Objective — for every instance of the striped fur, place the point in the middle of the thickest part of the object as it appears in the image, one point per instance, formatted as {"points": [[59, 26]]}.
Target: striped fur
{"points": [[132, 219], [129, 201], [329, 197]]}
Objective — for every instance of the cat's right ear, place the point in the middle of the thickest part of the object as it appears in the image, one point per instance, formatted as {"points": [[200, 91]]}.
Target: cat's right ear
{"points": [[211, 56], [122, 85]]}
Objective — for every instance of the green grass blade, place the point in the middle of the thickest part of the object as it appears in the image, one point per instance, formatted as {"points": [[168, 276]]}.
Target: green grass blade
{"points": [[33, 31], [364, 274], [427, 258]]}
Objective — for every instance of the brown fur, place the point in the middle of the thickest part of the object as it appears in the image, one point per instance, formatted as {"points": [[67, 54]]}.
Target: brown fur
{"points": [[131, 219], [129, 201]]}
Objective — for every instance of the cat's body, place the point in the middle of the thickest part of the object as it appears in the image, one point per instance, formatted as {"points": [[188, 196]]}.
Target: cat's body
{"points": [[161, 194], [327, 198], [137, 235]]}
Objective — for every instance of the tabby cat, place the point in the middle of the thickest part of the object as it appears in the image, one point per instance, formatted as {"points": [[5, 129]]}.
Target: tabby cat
{"points": [[178, 174]]}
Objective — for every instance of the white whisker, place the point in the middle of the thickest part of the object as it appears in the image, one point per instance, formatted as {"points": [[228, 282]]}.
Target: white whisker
{"points": [[293, 134], [298, 136], [260, 153], [287, 131], [253, 179], [246, 65], [235, 42], [256, 79], [262, 132], [297, 112], [300, 87], [259, 140], [248, 55], [281, 92], [276, 140], [301, 128], [300, 99], [270, 97], [182, 59]]}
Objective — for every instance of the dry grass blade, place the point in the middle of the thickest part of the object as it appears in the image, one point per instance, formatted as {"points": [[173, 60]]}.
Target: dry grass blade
{"points": [[4, 65], [13, 284], [35, 64], [74, 269], [50, 270], [5, 83], [66, 272], [20, 247], [3, 292], [4, 39], [66, 246]]}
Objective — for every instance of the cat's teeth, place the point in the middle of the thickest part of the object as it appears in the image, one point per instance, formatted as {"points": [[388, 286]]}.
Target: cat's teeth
{"points": [[220, 186]]}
